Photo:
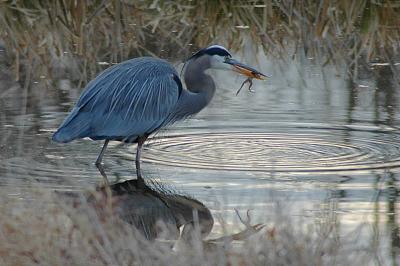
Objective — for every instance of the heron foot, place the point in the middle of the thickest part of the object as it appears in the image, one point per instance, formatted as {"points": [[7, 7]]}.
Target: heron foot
{"points": [[140, 179], [100, 167]]}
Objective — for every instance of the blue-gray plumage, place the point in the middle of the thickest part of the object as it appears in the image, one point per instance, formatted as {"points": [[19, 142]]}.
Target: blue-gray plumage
{"points": [[129, 101], [139, 90]]}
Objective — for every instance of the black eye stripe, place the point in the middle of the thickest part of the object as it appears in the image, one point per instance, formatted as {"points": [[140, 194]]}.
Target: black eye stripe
{"points": [[217, 51], [211, 51]]}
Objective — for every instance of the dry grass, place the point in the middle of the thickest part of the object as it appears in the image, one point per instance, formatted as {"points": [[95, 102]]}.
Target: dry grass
{"points": [[54, 230], [75, 35]]}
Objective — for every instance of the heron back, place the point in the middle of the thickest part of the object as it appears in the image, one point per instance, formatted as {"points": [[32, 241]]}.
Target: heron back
{"points": [[126, 100]]}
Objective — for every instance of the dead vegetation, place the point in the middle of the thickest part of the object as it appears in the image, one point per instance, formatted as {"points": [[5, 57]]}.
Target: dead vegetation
{"points": [[54, 230], [82, 37]]}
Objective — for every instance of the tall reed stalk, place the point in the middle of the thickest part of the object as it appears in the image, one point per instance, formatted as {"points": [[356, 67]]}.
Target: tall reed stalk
{"points": [[77, 35]]}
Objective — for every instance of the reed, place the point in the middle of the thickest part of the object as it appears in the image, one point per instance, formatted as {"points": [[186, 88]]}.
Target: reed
{"points": [[75, 36], [52, 230]]}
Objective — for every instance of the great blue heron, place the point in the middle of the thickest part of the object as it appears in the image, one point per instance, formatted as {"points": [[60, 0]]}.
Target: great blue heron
{"points": [[129, 101]]}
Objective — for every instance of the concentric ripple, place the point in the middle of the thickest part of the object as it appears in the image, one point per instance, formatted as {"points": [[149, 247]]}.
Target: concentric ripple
{"points": [[301, 151]]}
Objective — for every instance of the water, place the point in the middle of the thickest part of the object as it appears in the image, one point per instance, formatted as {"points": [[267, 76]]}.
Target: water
{"points": [[306, 137]]}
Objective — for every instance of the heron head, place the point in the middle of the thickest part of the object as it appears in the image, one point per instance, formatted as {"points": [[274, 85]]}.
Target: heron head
{"points": [[220, 58]]}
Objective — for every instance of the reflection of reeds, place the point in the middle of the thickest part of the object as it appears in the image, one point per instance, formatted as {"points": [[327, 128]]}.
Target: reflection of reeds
{"points": [[49, 32], [49, 230]]}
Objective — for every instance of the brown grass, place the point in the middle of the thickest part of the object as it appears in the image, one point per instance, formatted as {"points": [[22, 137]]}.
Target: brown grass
{"points": [[50, 230], [75, 35]]}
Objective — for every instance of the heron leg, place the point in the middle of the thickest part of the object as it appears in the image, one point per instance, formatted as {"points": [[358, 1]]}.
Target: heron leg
{"points": [[98, 162], [103, 174], [103, 150], [140, 142]]}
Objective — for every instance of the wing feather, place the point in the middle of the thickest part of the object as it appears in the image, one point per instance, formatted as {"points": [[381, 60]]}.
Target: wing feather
{"points": [[127, 100]]}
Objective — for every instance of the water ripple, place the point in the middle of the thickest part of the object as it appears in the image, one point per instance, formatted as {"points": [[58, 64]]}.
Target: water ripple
{"points": [[308, 150]]}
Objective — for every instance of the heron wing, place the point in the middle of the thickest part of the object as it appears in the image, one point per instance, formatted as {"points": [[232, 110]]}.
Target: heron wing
{"points": [[127, 100]]}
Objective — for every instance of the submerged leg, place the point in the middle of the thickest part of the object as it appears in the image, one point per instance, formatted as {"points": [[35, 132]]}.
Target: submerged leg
{"points": [[141, 140], [98, 162], [103, 174]]}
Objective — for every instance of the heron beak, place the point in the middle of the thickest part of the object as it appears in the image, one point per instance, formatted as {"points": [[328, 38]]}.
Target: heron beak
{"points": [[245, 70]]}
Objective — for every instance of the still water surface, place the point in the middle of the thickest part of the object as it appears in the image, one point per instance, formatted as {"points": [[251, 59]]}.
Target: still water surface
{"points": [[306, 137]]}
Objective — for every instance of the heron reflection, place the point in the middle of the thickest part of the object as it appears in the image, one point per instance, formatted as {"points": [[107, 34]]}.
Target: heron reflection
{"points": [[156, 211], [160, 213]]}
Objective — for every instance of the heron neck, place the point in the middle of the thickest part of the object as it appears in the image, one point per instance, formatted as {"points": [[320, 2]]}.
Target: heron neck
{"points": [[197, 81], [199, 91]]}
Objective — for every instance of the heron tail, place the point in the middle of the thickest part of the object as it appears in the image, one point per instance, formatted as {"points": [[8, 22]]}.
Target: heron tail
{"points": [[74, 127]]}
